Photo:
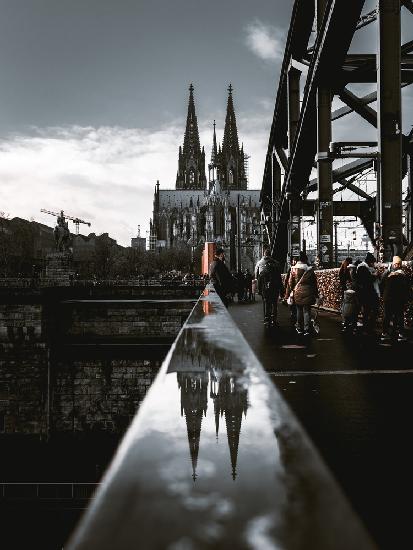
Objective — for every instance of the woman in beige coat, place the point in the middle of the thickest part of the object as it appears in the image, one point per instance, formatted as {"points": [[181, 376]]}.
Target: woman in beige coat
{"points": [[302, 283]]}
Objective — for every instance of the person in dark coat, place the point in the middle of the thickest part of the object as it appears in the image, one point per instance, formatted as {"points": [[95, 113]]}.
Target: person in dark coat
{"points": [[292, 307], [248, 285], [268, 274], [240, 286], [367, 292], [395, 286], [221, 277], [344, 274]]}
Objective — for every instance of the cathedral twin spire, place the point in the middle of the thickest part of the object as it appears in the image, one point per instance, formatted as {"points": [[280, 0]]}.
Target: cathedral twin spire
{"points": [[191, 162], [227, 164]]}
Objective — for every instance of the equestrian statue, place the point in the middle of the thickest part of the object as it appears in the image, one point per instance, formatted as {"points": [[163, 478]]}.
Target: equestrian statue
{"points": [[62, 234]]}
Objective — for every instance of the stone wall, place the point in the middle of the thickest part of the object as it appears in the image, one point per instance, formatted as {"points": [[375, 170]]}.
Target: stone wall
{"points": [[87, 394], [40, 392], [100, 394], [125, 320], [20, 322], [23, 387]]}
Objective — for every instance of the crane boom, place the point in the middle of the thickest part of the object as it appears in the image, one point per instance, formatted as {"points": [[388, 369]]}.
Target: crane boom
{"points": [[75, 220]]}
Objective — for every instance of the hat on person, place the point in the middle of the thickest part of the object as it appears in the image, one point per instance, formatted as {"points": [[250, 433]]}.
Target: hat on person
{"points": [[396, 260], [370, 257]]}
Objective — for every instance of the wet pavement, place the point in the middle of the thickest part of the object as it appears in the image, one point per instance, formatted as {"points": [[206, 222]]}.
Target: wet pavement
{"points": [[353, 397]]}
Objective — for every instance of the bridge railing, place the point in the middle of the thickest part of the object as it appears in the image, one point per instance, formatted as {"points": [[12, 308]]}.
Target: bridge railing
{"points": [[215, 459], [47, 491], [30, 282]]}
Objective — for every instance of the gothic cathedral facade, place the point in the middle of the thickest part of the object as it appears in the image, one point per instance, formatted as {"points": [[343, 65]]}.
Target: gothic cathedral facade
{"points": [[219, 209]]}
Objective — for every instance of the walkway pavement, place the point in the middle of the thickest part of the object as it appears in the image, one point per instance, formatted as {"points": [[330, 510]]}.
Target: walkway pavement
{"points": [[353, 395]]}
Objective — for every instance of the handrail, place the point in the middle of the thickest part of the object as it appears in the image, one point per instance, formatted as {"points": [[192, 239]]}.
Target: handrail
{"points": [[215, 458], [37, 490]]}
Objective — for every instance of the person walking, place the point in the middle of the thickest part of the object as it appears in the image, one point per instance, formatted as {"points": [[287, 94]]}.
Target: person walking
{"points": [[268, 274], [248, 285], [240, 286], [291, 305], [220, 276], [367, 292], [302, 287], [344, 274], [395, 286]]}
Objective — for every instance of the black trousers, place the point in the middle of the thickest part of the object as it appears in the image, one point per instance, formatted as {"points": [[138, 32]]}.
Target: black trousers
{"points": [[270, 307], [393, 312]]}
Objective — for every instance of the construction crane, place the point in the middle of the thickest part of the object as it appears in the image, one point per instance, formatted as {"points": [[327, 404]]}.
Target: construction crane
{"points": [[76, 221]]}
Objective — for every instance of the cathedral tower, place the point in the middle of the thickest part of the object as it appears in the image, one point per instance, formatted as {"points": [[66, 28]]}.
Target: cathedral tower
{"points": [[191, 163], [232, 168]]}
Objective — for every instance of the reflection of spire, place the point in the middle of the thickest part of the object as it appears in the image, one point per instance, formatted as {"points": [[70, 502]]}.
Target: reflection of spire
{"points": [[233, 422], [194, 403], [231, 400]]}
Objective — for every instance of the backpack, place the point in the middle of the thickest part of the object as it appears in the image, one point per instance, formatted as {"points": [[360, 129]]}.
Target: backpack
{"points": [[268, 277]]}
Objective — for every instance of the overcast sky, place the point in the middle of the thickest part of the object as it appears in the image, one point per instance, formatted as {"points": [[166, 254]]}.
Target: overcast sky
{"points": [[93, 98]]}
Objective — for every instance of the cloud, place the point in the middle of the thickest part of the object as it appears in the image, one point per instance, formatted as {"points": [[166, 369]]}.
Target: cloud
{"points": [[265, 41], [105, 175]]}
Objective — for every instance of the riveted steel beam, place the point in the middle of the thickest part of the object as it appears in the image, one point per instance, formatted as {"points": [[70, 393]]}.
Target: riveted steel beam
{"points": [[389, 188]]}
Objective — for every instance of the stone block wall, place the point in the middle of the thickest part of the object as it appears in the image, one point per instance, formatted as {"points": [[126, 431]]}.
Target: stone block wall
{"points": [[23, 387], [20, 322], [39, 392], [100, 394], [125, 320], [59, 268]]}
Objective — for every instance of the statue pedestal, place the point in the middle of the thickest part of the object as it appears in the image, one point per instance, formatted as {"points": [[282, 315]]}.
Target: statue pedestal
{"points": [[59, 268]]}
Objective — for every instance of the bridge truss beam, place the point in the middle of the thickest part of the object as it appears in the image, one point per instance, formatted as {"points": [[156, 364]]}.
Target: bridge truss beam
{"points": [[300, 137]]}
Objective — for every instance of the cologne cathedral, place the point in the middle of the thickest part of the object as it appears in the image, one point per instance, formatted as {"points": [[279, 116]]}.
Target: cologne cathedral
{"points": [[219, 209]]}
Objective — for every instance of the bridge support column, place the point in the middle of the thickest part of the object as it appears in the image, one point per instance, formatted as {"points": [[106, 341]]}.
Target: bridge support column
{"points": [[409, 205], [389, 184], [294, 229], [294, 226], [293, 104], [275, 188], [324, 167]]}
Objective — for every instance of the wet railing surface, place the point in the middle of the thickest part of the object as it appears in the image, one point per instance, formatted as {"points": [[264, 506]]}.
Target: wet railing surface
{"points": [[215, 459]]}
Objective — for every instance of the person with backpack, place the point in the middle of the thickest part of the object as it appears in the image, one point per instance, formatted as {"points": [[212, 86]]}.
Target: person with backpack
{"points": [[395, 285], [268, 274], [302, 289]]}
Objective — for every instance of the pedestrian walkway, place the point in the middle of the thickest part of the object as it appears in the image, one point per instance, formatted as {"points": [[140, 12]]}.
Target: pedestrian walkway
{"points": [[281, 350], [353, 396]]}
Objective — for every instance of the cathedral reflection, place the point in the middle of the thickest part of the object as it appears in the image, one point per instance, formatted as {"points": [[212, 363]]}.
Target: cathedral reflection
{"points": [[207, 381]]}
